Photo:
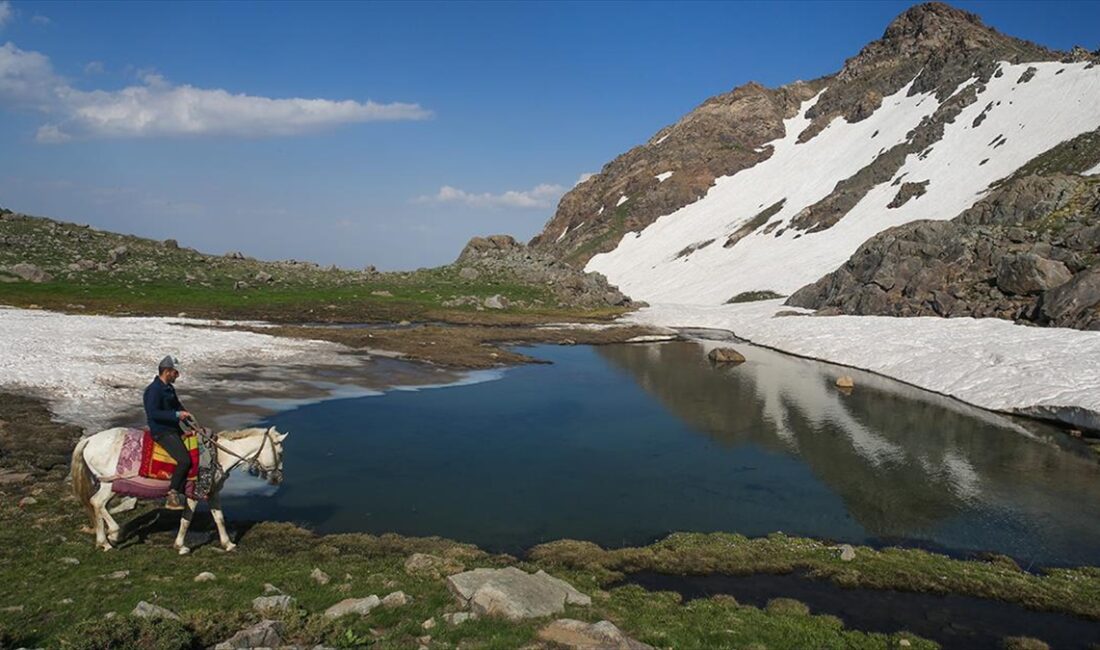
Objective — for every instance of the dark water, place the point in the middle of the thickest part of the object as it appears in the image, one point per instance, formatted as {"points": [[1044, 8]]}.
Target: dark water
{"points": [[950, 620], [621, 445]]}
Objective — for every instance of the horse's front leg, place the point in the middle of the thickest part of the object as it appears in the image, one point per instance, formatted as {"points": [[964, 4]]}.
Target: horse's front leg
{"points": [[219, 520], [185, 523]]}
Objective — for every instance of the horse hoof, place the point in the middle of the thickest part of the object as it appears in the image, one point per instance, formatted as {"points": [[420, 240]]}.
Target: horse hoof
{"points": [[230, 547], [106, 547], [183, 550]]}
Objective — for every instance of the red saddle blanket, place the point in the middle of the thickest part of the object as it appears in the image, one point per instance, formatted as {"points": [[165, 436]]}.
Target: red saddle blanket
{"points": [[145, 468]]}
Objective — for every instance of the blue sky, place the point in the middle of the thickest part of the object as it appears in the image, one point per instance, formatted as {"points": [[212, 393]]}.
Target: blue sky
{"points": [[386, 134]]}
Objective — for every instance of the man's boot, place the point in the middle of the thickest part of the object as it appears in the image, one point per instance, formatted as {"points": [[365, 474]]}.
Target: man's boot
{"points": [[174, 501]]}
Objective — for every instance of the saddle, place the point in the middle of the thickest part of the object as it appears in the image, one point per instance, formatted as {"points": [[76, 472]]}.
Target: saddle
{"points": [[145, 468]]}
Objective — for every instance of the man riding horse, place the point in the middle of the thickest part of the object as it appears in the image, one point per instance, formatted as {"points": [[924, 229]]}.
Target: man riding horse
{"points": [[165, 414]]}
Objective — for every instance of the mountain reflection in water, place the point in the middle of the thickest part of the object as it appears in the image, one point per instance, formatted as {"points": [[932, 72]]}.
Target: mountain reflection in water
{"points": [[623, 444], [906, 462]]}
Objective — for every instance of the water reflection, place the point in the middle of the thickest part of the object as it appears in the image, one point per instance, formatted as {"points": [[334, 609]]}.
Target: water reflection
{"points": [[907, 463]]}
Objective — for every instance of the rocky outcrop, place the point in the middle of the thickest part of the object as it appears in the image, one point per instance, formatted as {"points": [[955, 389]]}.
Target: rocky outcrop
{"points": [[578, 635], [1029, 251], [502, 257]]}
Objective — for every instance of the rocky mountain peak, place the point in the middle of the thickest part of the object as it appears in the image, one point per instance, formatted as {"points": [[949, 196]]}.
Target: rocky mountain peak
{"points": [[931, 22]]}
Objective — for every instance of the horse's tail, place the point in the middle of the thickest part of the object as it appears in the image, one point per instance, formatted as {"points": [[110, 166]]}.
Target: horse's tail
{"points": [[83, 481]]}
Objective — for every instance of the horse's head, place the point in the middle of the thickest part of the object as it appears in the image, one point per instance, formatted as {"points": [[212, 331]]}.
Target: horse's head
{"points": [[269, 464]]}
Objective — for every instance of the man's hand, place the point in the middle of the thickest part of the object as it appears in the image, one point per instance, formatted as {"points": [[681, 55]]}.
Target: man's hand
{"points": [[184, 415]]}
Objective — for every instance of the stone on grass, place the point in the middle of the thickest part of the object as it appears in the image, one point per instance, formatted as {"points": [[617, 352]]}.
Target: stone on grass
{"points": [[319, 576], [396, 599], [272, 603], [468, 273], [428, 624], [496, 302], [69, 560], [265, 634], [126, 505], [118, 575], [513, 594], [30, 273], [27, 501], [725, 355], [360, 606], [270, 589], [458, 618], [575, 634], [205, 576], [847, 553], [151, 611]]}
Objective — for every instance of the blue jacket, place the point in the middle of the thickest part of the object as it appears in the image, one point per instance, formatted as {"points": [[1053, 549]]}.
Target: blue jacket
{"points": [[161, 406]]}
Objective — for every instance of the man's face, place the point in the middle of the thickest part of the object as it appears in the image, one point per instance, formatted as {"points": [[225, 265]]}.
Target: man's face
{"points": [[169, 375]]}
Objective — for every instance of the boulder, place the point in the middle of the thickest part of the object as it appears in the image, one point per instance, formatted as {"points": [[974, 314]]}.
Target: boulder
{"points": [[272, 603], [264, 277], [579, 635], [265, 634], [360, 606], [847, 553], [512, 593], [1027, 274], [240, 285], [1075, 303], [205, 576], [117, 255], [725, 355], [30, 273], [468, 273], [170, 244], [149, 610]]}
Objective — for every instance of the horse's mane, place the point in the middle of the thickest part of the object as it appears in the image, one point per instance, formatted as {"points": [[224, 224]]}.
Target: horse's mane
{"points": [[242, 433]]}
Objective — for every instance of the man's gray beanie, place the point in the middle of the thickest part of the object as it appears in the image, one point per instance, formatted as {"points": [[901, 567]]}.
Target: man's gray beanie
{"points": [[169, 362]]}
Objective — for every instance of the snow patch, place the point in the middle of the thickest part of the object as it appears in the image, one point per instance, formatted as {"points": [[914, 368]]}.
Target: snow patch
{"points": [[991, 363], [663, 176], [92, 368], [1025, 124], [1092, 172], [661, 139], [622, 199]]}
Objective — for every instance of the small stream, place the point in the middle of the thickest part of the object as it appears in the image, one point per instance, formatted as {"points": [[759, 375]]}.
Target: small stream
{"points": [[952, 621]]}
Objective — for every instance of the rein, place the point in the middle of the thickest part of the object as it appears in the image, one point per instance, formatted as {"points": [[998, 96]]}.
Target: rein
{"points": [[252, 461]]}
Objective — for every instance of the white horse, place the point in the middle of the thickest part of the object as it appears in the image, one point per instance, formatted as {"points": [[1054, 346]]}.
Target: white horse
{"points": [[96, 457]]}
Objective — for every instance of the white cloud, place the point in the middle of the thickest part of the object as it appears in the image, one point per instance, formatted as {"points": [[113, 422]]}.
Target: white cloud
{"points": [[540, 196], [6, 12], [159, 108], [583, 177], [39, 19], [94, 67]]}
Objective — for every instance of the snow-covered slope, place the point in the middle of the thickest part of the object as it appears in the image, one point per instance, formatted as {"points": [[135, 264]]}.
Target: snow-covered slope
{"points": [[1028, 108]]}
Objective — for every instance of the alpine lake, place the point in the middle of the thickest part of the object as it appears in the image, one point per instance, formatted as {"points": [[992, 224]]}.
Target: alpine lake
{"points": [[623, 444]]}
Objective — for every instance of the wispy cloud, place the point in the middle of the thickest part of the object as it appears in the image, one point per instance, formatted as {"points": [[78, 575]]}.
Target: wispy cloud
{"points": [[540, 196], [6, 13], [157, 107], [39, 19], [94, 67]]}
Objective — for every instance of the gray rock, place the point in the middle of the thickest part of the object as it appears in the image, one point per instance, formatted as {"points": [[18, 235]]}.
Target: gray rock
{"points": [[396, 599], [725, 355], [468, 273], [458, 618], [382, 293], [270, 589], [240, 285], [69, 560], [171, 244], [234, 255], [1075, 303], [117, 255], [360, 606], [1026, 273], [496, 302], [578, 635], [847, 553], [264, 277], [30, 273], [27, 501], [205, 576], [319, 576], [272, 603], [149, 610], [265, 634], [118, 575], [512, 593]]}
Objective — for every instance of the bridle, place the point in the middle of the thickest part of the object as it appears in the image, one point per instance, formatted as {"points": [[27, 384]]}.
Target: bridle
{"points": [[274, 476]]}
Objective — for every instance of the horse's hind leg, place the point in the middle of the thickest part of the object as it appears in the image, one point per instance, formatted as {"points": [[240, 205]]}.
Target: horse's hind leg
{"points": [[185, 523], [219, 520], [99, 505], [113, 528]]}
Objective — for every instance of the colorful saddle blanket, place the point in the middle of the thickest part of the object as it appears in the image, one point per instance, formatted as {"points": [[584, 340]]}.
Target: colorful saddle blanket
{"points": [[145, 468]]}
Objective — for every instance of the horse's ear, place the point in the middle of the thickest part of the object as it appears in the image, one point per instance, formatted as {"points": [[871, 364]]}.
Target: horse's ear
{"points": [[281, 436]]}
